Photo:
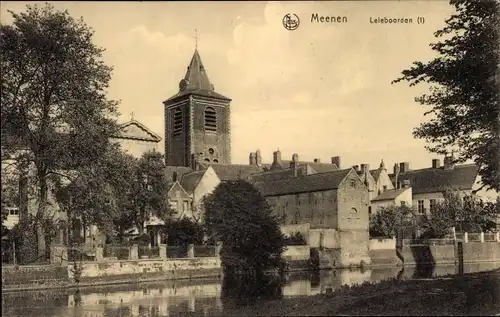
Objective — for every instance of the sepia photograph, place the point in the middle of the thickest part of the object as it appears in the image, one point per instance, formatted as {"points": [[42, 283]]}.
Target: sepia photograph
{"points": [[250, 158]]}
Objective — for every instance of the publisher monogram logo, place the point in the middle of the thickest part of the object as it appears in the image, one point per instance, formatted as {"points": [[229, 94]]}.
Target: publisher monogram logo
{"points": [[291, 21]]}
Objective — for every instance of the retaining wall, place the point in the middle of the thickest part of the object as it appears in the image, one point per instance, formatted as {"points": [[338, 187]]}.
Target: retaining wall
{"points": [[473, 252]]}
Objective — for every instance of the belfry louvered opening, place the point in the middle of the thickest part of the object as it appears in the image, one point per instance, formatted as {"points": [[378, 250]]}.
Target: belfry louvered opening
{"points": [[177, 130], [210, 119]]}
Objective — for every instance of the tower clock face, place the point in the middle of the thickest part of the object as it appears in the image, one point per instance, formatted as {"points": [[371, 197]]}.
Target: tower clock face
{"points": [[183, 84]]}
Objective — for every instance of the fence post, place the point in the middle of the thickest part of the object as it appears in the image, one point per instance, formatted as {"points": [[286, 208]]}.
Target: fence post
{"points": [[466, 237], [190, 251], [99, 253], [218, 248], [497, 236], [163, 251], [59, 254], [481, 237], [133, 252]]}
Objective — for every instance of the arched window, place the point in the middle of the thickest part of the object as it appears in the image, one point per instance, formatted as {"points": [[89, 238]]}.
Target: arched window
{"points": [[177, 130], [210, 119], [216, 161]]}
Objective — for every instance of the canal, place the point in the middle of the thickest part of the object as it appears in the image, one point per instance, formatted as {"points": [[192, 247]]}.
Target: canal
{"points": [[204, 297]]}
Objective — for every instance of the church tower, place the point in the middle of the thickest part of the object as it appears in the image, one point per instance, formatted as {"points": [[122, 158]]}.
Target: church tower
{"points": [[197, 126]]}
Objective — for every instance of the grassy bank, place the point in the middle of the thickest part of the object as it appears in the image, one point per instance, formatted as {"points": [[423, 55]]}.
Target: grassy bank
{"points": [[470, 294]]}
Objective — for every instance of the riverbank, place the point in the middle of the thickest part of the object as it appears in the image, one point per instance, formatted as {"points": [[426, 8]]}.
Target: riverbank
{"points": [[469, 294]]}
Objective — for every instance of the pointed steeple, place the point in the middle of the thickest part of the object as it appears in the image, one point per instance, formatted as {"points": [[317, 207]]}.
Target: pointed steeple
{"points": [[196, 77]]}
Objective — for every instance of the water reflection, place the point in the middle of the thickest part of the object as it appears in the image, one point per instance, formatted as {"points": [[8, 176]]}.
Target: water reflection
{"points": [[197, 297]]}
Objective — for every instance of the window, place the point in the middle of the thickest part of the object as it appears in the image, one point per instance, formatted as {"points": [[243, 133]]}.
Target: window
{"points": [[385, 188], [369, 210], [432, 204], [420, 206], [216, 161], [14, 212], [186, 206], [210, 119], [353, 183], [177, 122], [403, 203]]}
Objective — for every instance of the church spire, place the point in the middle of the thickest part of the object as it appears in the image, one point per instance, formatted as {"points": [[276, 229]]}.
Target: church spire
{"points": [[196, 77]]}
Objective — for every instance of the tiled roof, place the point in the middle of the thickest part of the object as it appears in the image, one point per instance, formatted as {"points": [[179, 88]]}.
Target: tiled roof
{"points": [[181, 170], [230, 172], [375, 174], [431, 180], [307, 183], [189, 181], [271, 176], [197, 82], [390, 194]]}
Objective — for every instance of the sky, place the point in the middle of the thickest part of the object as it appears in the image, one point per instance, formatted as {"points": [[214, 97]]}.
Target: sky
{"points": [[321, 90]]}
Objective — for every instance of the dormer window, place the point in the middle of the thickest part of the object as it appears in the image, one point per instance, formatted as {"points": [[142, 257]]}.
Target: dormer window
{"points": [[353, 183]]}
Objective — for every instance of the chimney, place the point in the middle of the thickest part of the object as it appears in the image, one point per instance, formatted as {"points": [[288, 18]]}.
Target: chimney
{"points": [[396, 175], [317, 160], [258, 158], [277, 158], [365, 168], [436, 163], [449, 161], [295, 164], [356, 168], [336, 161], [252, 158], [404, 167]]}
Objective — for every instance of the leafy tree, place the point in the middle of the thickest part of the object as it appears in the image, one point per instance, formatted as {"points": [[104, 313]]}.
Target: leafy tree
{"points": [[466, 214], [239, 217], [101, 194], [54, 95], [183, 232], [389, 221], [150, 188], [464, 88]]}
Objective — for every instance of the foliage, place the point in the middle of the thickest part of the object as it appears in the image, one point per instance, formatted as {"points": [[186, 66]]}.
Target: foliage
{"points": [[388, 221], [149, 189], [239, 217], [296, 238], [183, 232], [101, 194], [467, 214], [53, 94], [24, 236], [464, 91]]}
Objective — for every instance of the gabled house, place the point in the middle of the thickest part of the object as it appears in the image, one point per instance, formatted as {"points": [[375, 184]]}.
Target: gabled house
{"points": [[382, 180], [392, 197], [429, 184], [198, 185], [335, 204]]}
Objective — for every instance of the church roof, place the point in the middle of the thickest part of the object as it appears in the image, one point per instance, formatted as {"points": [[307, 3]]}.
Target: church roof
{"points": [[231, 172], [190, 180], [303, 184], [135, 130], [196, 81], [432, 180], [179, 170]]}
